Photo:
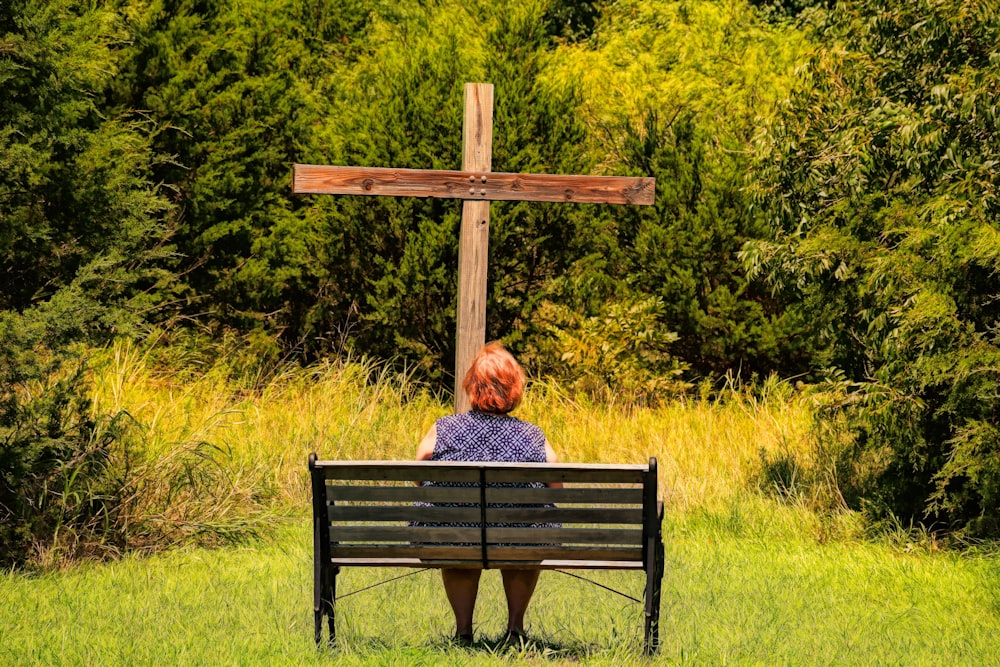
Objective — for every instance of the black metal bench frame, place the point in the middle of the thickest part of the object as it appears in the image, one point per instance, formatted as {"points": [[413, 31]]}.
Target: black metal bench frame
{"points": [[362, 510]]}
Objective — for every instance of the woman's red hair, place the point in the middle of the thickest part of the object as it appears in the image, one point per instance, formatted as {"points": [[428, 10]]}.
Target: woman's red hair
{"points": [[495, 381]]}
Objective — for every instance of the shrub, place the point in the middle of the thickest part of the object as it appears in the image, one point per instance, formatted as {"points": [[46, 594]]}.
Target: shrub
{"points": [[619, 354], [880, 186]]}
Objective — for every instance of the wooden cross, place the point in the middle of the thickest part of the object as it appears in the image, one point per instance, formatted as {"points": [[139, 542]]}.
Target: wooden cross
{"points": [[478, 186]]}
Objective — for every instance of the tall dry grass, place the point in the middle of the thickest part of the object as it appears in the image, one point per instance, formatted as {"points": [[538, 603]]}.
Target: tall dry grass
{"points": [[211, 452], [708, 450]]}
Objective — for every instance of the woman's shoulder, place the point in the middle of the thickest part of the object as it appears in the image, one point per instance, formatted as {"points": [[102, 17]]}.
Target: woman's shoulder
{"points": [[487, 421], [446, 423], [454, 423], [527, 429], [447, 419]]}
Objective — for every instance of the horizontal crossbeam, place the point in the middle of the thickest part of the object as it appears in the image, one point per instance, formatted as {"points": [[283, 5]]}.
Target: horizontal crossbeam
{"points": [[483, 186]]}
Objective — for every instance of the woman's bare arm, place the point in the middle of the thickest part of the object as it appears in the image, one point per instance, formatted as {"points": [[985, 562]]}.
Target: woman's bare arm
{"points": [[425, 450]]}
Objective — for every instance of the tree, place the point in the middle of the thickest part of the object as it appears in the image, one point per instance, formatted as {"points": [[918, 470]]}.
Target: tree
{"points": [[880, 185], [237, 91], [83, 243], [677, 90], [77, 200]]}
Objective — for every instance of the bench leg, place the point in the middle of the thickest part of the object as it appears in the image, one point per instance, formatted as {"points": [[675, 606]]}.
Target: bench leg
{"points": [[325, 599], [654, 579], [331, 603]]}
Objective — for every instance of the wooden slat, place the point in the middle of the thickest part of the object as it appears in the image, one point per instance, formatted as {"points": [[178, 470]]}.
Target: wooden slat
{"points": [[603, 536], [571, 476], [402, 473], [628, 496], [529, 554], [564, 515], [496, 554], [406, 551], [403, 534], [404, 513], [610, 468], [552, 564], [597, 515], [549, 564], [384, 493], [488, 186], [407, 562], [476, 465]]}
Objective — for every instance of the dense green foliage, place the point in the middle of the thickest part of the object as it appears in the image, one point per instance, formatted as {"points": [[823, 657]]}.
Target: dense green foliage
{"points": [[673, 111], [215, 101], [235, 92], [80, 208], [405, 109], [881, 184], [841, 225], [83, 234], [239, 95]]}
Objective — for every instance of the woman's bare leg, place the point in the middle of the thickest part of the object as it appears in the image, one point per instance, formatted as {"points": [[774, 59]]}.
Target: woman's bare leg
{"points": [[461, 586], [518, 586]]}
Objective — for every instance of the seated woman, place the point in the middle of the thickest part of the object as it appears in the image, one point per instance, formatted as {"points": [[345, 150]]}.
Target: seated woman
{"points": [[494, 384]]}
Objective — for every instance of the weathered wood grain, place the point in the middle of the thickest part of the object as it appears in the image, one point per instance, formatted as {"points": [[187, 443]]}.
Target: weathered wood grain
{"points": [[475, 185], [369, 535], [562, 536], [474, 237], [381, 513], [476, 564], [403, 494], [607, 496], [384, 552], [588, 515]]}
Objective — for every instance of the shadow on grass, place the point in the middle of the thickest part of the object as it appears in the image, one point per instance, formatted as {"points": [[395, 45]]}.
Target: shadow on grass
{"points": [[520, 648]]}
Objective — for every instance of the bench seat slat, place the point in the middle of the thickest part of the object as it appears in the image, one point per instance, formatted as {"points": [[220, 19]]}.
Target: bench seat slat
{"points": [[400, 473], [601, 536], [471, 554], [404, 534], [556, 474], [470, 471], [509, 536], [333, 468], [404, 494], [514, 555], [459, 494], [381, 513], [404, 513], [561, 552], [549, 564], [423, 563], [591, 496], [564, 515], [555, 564]]}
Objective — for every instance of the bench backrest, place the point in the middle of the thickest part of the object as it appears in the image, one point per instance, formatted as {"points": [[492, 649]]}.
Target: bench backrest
{"points": [[364, 511]]}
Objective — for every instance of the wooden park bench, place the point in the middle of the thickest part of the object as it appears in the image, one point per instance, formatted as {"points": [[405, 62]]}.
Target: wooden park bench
{"points": [[362, 510]]}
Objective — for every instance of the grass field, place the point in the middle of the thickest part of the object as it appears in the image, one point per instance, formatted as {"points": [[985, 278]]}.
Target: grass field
{"points": [[732, 595], [752, 577]]}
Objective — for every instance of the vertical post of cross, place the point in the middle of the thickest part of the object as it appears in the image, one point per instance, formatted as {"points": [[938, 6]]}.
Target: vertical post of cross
{"points": [[473, 248]]}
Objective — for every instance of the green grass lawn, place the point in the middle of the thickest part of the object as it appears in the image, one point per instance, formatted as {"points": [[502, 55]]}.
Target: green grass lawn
{"points": [[749, 580], [736, 591]]}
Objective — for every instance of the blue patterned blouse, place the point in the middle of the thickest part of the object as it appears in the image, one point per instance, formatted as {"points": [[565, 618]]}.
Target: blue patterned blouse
{"points": [[480, 436]]}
